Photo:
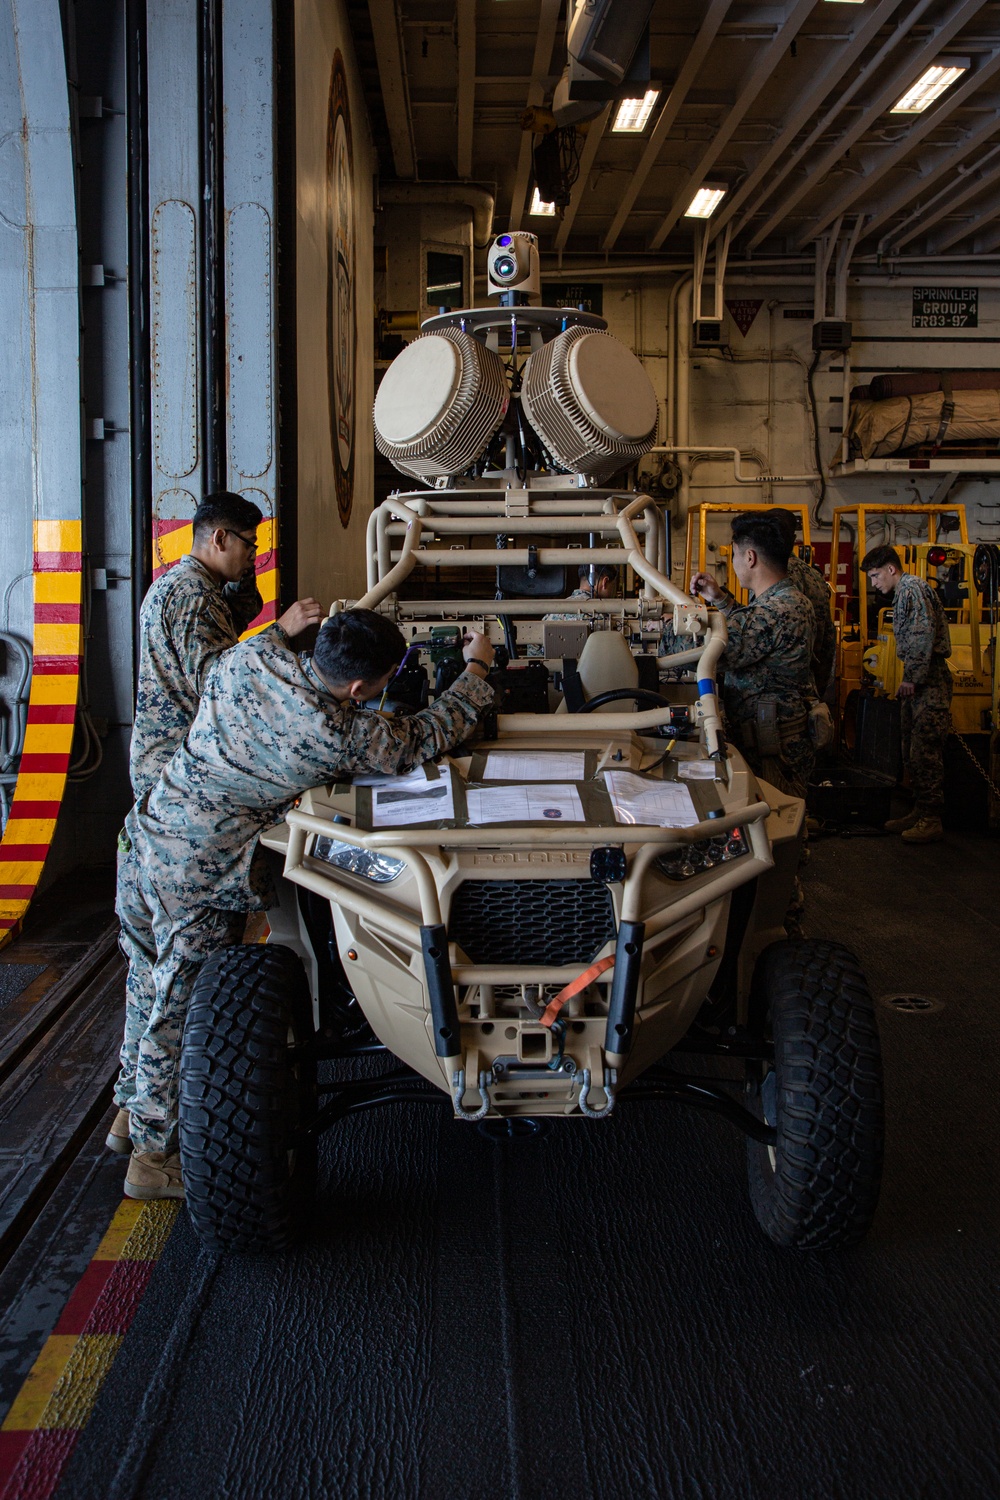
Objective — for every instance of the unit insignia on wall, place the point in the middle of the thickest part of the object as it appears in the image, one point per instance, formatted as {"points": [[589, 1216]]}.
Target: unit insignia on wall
{"points": [[341, 315]]}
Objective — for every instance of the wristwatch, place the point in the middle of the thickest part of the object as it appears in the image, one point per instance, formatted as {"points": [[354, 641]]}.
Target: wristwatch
{"points": [[476, 661]]}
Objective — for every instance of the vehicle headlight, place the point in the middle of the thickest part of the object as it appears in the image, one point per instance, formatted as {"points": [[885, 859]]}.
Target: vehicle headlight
{"points": [[370, 863], [692, 859]]}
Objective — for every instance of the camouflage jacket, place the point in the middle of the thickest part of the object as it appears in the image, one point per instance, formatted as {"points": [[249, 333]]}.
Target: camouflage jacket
{"points": [[769, 651], [810, 581], [188, 618], [268, 729], [923, 641]]}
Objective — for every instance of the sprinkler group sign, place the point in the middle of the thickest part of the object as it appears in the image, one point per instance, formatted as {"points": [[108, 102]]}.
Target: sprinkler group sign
{"points": [[946, 307]]}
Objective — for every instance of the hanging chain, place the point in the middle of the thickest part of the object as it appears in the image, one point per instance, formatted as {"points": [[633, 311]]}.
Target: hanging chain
{"points": [[975, 761]]}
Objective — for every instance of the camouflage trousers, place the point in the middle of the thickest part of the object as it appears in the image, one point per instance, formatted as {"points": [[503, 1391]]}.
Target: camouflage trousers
{"points": [[165, 940], [925, 720], [790, 766]]}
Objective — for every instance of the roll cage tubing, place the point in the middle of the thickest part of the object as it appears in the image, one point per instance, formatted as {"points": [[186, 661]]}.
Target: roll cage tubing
{"points": [[687, 613]]}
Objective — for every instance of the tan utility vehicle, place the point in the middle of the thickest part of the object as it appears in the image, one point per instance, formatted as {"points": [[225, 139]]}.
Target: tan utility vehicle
{"points": [[554, 919]]}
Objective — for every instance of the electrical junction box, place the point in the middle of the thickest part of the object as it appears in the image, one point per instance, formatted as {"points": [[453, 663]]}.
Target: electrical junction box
{"points": [[707, 333], [832, 334]]}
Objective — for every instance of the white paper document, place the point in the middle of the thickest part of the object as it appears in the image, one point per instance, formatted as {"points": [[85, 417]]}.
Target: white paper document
{"points": [[411, 779], [402, 800], [524, 804], [543, 765], [661, 804], [696, 770]]}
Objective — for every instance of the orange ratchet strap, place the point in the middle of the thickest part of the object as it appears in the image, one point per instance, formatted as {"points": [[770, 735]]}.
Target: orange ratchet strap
{"points": [[574, 987]]}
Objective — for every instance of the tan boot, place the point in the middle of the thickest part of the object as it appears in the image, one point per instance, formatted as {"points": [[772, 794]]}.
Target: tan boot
{"points": [[927, 830], [900, 825], [154, 1174], [117, 1138]]}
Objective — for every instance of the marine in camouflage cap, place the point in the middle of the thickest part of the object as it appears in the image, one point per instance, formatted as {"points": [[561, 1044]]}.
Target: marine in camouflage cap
{"points": [[270, 726]]}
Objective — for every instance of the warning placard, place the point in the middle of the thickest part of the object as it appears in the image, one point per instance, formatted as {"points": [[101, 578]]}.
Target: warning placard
{"points": [[946, 307], [743, 310]]}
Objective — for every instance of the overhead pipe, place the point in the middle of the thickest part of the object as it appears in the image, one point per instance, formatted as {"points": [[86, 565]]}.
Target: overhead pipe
{"points": [[481, 200]]}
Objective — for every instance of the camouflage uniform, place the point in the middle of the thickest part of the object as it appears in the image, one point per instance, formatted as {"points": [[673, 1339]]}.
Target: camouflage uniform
{"points": [[923, 644], [810, 581], [188, 618], [267, 730], [768, 685]]}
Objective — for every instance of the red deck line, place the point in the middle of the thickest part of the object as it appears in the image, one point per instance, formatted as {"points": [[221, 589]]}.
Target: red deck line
{"points": [[57, 562], [51, 713], [37, 761], [57, 614]]}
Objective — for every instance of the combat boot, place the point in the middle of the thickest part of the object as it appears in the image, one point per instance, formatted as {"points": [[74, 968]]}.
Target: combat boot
{"points": [[117, 1139], [154, 1174], [900, 825], [927, 830]]}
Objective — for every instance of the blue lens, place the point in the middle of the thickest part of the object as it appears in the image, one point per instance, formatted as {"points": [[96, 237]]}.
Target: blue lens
{"points": [[505, 239]]}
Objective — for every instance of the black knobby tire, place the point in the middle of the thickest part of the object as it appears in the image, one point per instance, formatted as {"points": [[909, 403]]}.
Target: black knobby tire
{"points": [[824, 1095], [247, 1090]]}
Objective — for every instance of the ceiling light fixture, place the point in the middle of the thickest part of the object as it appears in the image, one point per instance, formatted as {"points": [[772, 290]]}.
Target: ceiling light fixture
{"points": [[632, 115], [930, 86], [705, 201], [540, 208]]}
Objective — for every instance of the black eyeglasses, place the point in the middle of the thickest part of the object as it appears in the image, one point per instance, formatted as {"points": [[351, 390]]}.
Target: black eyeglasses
{"points": [[250, 546]]}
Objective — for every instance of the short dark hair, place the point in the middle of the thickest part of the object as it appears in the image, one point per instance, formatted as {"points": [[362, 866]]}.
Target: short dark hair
{"points": [[358, 643], [233, 512], [786, 518], [879, 557], [601, 570], [765, 533]]}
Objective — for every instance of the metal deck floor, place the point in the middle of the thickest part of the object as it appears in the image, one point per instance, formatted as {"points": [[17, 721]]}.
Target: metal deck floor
{"points": [[596, 1314]]}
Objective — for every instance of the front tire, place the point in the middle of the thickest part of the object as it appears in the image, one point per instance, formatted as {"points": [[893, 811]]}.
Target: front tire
{"points": [[247, 1092], [818, 1186]]}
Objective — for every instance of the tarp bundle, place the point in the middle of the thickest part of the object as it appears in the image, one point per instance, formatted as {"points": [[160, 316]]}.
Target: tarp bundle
{"points": [[921, 382], [878, 429]]}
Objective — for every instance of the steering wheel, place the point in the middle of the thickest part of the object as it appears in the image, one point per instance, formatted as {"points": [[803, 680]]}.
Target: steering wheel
{"points": [[641, 695]]}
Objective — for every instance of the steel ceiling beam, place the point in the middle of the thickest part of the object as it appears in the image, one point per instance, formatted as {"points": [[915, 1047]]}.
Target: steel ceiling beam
{"points": [[672, 106], [968, 227], [906, 192], [390, 51], [545, 37], [587, 157], [758, 76], [858, 187], [908, 70], [815, 92], [945, 202], [466, 28]]}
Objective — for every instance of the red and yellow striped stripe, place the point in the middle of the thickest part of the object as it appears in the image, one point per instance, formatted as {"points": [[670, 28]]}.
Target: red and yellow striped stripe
{"points": [[173, 539], [56, 1401], [55, 682]]}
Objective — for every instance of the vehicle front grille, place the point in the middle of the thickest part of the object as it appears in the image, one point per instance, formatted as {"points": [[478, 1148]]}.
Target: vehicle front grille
{"points": [[531, 921]]}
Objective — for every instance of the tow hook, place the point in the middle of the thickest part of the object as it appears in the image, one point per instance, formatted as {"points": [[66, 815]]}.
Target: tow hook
{"points": [[610, 1080], [458, 1094]]}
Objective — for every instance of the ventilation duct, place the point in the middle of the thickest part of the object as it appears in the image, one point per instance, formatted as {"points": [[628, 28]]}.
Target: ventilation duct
{"points": [[590, 401], [440, 403]]}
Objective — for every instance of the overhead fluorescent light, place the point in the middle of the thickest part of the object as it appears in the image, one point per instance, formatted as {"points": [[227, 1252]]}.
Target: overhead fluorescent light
{"points": [[632, 115], [704, 203], [540, 208], [930, 86]]}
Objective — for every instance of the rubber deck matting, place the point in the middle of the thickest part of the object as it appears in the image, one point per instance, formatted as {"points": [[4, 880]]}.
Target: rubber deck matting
{"points": [[15, 978], [595, 1314]]}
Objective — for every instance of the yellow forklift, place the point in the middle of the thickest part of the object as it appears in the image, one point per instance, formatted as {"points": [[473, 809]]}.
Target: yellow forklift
{"points": [[698, 544]]}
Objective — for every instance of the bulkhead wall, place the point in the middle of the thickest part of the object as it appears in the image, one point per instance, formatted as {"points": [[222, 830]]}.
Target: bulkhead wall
{"points": [[335, 167]]}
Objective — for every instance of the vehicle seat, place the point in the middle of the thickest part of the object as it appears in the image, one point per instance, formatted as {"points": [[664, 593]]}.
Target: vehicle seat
{"points": [[605, 663]]}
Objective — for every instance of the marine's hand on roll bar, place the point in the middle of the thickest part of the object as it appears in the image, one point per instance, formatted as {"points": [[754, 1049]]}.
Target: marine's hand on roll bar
{"points": [[478, 653]]}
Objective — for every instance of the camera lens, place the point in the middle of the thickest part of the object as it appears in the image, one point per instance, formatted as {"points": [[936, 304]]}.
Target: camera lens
{"points": [[504, 266], [505, 239]]}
